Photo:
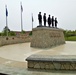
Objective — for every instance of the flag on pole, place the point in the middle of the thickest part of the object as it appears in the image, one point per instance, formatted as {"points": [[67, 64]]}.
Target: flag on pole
{"points": [[21, 7], [32, 18], [6, 11]]}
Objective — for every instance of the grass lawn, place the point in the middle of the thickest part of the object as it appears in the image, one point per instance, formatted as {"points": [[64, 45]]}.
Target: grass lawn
{"points": [[71, 38]]}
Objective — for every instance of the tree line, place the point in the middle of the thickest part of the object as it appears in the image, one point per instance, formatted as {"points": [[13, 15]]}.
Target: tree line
{"points": [[69, 33]]}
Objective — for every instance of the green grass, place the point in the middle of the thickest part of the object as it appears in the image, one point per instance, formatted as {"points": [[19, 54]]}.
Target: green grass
{"points": [[71, 38]]}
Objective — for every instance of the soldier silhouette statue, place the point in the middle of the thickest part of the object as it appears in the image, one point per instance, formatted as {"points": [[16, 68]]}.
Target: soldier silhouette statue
{"points": [[40, 19], [53, 21], [56, 22], [44, 19], [49, 21]]}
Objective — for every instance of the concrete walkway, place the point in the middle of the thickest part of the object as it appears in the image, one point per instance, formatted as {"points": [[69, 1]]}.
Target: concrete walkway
{"points": [[67, 49], [19, 52], [12, 58]]}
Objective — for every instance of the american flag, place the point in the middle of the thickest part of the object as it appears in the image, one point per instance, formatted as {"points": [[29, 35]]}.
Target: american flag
{"points": [[21, 7], [32, 18], [6, 11]]}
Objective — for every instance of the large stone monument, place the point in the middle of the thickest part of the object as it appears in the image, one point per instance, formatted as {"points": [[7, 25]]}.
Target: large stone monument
{"points": [[46, 37]]}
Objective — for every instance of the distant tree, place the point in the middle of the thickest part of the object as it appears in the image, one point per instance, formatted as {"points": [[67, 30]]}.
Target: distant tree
{"points": [[6, 28], [68, 33], [4, 32], [30, 33], [64, 32], [0, 34], [75, 32], [12, 33], [23, 32]]}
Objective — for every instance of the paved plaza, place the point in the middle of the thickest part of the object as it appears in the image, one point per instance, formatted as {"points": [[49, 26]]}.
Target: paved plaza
{"points": [[12, 58]]}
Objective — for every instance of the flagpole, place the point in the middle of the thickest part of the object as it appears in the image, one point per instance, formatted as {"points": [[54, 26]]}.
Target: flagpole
{"points": [[6, 20], [21, 18], [32, 25], [7, 25]]}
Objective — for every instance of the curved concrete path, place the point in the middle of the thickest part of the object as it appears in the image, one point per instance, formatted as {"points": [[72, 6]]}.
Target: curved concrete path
{"points": [[13, 56], [19, 52]]}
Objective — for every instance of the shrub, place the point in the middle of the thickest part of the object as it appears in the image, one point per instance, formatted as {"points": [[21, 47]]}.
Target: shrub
{"points": [[23, 32], [12, 33], [30, 33]]}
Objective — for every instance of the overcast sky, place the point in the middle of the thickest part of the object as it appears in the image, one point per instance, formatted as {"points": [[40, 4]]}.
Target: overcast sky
{"points": [[64, 10]]}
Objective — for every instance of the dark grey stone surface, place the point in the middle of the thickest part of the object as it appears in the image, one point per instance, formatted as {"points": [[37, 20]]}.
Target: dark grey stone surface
{"points": [[56, 58]]}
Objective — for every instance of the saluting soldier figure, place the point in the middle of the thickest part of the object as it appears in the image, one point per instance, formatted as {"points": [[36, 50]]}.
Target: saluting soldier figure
{"points": [[56, 22], [44, 19], [52, 21], [49, 21], [40, 19]]}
